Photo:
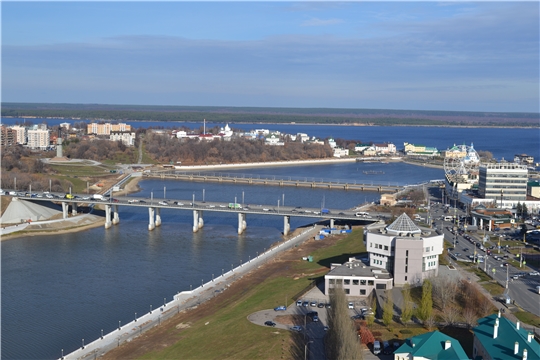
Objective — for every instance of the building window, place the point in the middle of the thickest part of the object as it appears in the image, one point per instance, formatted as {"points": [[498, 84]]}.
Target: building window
{"points": [[406, 252], [380, 286], [427, 249], [386, 247], [347, 291], [347, 282], [370, 282], [405, 278], [362, 282], [331, 281], [339, 281], [406, 269], [362, 291], [355, 282], [370, 244]]}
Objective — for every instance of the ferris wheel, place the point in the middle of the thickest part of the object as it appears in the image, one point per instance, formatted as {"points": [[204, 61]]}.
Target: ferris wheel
{"points": [[461, 160]]}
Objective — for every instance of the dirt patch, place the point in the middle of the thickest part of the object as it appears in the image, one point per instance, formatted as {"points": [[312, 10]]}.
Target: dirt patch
{"points": [[168, 333], [292, 320]]}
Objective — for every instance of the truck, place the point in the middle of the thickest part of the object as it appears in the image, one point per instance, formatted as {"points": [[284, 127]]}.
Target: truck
{"points": [[97, 197], [325, 211]]}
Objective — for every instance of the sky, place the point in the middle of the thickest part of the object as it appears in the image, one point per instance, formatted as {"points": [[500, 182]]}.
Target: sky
{"points": [[457, 56]]}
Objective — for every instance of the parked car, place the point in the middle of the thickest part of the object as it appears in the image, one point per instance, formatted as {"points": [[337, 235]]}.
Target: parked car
{"points": [[296, 328], [321, 305], [299, 303], [387, 350], [376, 347], [313, 304], [351, 305], [280, 308], [305, 304], [270, 323]]}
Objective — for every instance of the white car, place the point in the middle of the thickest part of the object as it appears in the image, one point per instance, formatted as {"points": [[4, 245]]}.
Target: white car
{"points": [[211, 206], [534, 273], [164, 203], [222, 206], [180, 204], [351, 305]]}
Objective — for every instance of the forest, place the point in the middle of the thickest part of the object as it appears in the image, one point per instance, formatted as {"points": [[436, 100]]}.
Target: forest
{"points": [[379, 117]]}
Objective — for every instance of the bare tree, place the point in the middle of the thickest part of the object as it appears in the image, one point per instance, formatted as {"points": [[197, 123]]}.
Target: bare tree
{"points": [[444, 290], [429, 323], [450, 314], [469, 316]]}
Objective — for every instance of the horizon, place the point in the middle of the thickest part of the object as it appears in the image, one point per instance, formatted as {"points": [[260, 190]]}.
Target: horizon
{"points": [[410, 56]]}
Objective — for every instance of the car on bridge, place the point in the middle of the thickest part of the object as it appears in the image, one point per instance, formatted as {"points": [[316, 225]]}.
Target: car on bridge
{"points": [[164, 203], [280, 308]]}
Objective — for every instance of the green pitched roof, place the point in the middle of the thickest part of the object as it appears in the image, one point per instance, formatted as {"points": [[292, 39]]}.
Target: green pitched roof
{"points": [[431, 346], [502, 347]]}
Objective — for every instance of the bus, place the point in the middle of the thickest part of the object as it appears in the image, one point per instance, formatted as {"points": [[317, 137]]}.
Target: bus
{"points": [[234, 206], [448, 218]]}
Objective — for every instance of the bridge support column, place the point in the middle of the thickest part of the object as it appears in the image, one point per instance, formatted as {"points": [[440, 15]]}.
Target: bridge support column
{"points": [[201, 220], [116, 217], [331, 223], [158, 217], [107, 216], [64, 210], [195, 220], [74, 208], [286, 225], [151, 223], [242, 225]]}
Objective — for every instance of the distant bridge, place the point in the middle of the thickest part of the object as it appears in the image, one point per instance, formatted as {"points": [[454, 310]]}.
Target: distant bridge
{"points": [[310, 182]]}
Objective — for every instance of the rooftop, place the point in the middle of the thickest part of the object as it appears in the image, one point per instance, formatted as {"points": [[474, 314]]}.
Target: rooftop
{"points": [[433, 346], [356, 267], [403, 225], [502, 347]]}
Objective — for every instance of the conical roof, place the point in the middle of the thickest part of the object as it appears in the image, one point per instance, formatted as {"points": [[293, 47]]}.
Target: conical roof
{"points": [[403, 225]]}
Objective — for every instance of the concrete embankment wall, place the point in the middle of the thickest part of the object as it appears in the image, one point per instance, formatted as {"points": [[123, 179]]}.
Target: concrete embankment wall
{"points": [[182, 301], [218, 167]]}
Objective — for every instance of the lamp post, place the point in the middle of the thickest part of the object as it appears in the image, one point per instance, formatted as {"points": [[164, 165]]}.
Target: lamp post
{"points": [[150, 308], [119, 327], [164, 192], [242, 198], [203, 191], [283, 199], [135, 317], [278, 206], [50, 185], [164, 301], [305, 349], [82, 343], [152, 197], [101, 334]]}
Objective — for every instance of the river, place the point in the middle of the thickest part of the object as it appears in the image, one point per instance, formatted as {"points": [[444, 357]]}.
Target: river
{"points": [[60, 289]]}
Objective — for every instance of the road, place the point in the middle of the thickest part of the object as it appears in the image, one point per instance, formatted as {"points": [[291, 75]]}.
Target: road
{"points": [[521, 285]]}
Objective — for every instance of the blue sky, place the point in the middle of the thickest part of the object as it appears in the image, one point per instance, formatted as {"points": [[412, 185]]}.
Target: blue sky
{"points": [[459, 56]]}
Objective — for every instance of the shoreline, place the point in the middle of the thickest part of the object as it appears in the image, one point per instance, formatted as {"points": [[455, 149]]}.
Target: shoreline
{"points": [[68, 225]]}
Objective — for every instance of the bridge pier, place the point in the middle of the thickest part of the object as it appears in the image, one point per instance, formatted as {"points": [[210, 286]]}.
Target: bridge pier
{"points": [[108, 223], [331, 223], [151, 223], [286, 225], [74, 208], [242, 225], [201, 220], [195, 220], [64, 210], [116, 217], [158, 217]]}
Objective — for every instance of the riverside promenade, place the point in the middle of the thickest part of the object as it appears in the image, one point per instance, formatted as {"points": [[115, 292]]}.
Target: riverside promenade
{"points": [[183, 301]]}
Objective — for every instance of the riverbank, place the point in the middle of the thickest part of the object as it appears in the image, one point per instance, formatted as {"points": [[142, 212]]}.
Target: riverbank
{"points": [[264, 164], [77, 223]]}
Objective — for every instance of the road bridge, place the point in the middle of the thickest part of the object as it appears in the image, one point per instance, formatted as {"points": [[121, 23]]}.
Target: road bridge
{"points": [[309, 182], [155, 205]]}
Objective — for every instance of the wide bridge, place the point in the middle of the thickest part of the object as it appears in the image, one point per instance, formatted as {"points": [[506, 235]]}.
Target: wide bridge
{"points": [[155, 206], [270, 180]]}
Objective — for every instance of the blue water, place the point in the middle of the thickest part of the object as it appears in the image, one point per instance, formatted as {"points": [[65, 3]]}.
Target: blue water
{"points": [[57, 290], [501, 142]]}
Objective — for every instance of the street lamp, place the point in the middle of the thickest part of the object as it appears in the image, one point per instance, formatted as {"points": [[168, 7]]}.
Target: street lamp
{"points": [[152, 197], [119, 327], [101, 334], [278, 206], [193, 201], [203, 190], [242, 198], [164, 192], [305, 349], [164, 301]]}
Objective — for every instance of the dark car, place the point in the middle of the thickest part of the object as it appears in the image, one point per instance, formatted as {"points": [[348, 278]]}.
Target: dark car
{"points": [[270, 323], [321, 305], [305, 303]]}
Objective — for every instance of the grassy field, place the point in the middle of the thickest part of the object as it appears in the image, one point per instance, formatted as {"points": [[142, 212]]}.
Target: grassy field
{"points": [[226, 326], [528, 318]]}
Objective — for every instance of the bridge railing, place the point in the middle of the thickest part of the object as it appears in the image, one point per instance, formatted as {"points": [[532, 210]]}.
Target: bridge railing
{"points": [[300, 179]]}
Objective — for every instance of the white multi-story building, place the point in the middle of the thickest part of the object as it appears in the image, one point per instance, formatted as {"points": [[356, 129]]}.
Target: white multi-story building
{"points": [[126, 137], [411, 254], [386, 148], [503, 181], [20, 134], [38, 139]]}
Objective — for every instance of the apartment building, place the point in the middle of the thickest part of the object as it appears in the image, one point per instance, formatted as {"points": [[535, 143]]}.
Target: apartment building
{"points": [[503, 182], [107, 128], [38, 139]]}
